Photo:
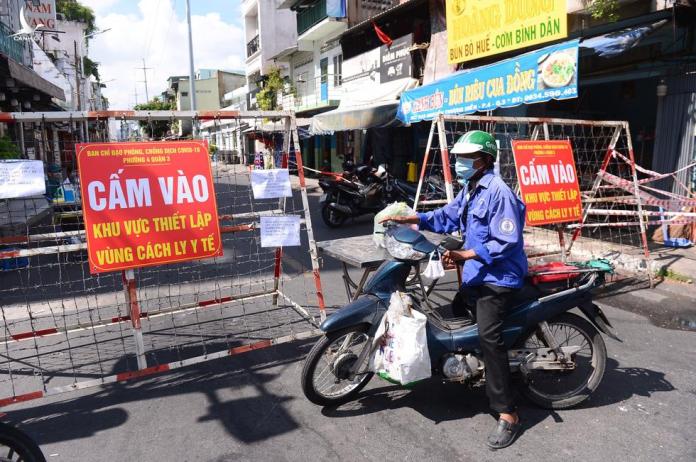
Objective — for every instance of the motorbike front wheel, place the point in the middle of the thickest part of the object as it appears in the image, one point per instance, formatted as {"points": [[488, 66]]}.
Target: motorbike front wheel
{"points": [[563, 389], [16, 445], [326, 377], [331, 217]]}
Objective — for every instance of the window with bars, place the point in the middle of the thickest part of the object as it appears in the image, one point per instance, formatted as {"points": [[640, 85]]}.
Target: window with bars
{"points": [[338, 70]]}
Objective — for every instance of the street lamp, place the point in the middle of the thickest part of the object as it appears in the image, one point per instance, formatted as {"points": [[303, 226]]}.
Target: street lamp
{"points": [[83, 49], [84, 46]]}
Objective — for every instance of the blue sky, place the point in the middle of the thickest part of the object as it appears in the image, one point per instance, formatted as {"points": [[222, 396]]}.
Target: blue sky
{"points": [[155, 30], [228, 9]]}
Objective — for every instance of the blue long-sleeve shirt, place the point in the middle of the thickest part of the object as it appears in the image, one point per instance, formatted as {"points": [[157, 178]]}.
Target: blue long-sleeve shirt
{"points": [[492, 228]]}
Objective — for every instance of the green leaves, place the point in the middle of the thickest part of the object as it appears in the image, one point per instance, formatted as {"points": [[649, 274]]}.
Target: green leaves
{"points": [[8, 150], [604, 9], [267, 97]]}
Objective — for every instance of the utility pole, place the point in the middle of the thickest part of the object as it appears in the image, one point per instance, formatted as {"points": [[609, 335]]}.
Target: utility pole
{"points": [[192, 84], [145, 69], [135, 94], [77, 79]]}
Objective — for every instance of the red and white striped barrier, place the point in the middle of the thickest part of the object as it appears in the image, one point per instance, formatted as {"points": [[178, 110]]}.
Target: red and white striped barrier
{"points": [[149, 371]]}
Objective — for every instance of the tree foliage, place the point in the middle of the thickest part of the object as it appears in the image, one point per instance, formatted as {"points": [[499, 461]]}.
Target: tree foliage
{"points": [[91, 68], [604, 9], [72, 10], [156, 128], [267, 97], [8, 150]]}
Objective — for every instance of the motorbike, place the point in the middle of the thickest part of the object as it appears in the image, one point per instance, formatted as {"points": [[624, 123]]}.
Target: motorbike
{"points": [[363, 190], [557, 357]]}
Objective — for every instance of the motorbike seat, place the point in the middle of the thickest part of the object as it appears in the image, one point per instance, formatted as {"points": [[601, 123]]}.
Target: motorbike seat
{"points": [[464, 302], [406, 187]]}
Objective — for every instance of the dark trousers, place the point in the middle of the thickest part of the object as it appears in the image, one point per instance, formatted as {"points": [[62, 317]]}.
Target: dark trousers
{"points": [[492, 303]]}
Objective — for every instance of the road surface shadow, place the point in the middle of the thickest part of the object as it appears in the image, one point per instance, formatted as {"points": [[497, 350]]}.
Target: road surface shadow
{"points": [[248, 419], [445, 401]]}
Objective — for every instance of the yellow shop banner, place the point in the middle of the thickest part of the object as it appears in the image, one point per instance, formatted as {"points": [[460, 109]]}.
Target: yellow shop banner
{"points": [[479, 28]]}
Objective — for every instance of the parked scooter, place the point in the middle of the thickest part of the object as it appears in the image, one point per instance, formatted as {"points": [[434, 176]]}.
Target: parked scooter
{"points": [[365, 191], [559, 356]]}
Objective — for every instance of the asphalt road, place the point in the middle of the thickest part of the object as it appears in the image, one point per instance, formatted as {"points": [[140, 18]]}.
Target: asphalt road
{"points": [[250, 407]]}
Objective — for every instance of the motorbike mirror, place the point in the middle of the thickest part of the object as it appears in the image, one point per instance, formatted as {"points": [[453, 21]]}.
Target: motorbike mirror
{"points": [[451, 243]]}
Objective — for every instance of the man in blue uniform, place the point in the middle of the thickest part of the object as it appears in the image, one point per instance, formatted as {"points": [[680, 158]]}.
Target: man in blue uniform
{"points": [[491, 218]]}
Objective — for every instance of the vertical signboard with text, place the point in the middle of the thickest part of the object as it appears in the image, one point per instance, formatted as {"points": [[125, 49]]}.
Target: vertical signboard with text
{"points": [[548, 181], [147, 204], [479, 28]]}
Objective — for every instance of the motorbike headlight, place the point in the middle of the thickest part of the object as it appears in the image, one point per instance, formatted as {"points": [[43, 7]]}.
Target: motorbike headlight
{"points": [[402, 251]]}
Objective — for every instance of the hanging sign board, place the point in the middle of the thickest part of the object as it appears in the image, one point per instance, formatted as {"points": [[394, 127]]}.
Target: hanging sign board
{"points": [[480, 28], [147, 204], [541, 75], [548, 181]]}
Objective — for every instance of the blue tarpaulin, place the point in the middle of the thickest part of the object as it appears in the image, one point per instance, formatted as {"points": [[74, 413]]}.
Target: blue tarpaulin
{"points": [[615, 43], [336, 8]]}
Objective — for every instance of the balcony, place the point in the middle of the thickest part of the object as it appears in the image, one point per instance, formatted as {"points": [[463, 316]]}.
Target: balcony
{"points": [[316, 93], [252, 46], [307, 17], [11, 47]]}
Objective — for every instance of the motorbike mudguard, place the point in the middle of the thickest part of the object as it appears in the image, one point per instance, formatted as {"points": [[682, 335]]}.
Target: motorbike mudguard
{"points": [[598, 318], [366, 309]]}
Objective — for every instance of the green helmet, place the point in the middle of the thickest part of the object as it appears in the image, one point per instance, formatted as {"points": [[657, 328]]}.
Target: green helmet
{"points": [[476, 141]]}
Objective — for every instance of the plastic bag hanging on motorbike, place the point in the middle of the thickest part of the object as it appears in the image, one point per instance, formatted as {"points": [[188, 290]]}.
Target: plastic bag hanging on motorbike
{"points": [[401, 354], [397, 209], [434, 270]]}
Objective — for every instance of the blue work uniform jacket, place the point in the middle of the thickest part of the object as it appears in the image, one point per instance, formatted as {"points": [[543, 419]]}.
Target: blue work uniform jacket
{"points": [[492, 228]]}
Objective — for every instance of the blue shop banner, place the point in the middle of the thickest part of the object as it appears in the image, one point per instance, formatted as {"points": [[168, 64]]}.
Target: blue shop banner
{"points": [[534, 77]]}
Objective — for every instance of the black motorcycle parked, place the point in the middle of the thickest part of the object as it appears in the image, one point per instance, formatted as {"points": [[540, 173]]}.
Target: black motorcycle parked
{"points": [[359, 192]]}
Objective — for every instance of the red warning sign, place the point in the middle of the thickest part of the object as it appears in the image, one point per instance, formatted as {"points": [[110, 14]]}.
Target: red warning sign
{"points": [[147, 203], [548, 181]]}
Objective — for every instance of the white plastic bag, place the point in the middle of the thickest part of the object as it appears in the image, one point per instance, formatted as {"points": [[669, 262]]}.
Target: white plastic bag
{"points": [[434, 270], [401, 353], [396, 209]]}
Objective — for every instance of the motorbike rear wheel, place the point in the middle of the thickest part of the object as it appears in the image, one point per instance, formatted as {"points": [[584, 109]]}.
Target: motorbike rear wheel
{"points": [[331, 217], [325, 378], [16, 445], [565, 389]]}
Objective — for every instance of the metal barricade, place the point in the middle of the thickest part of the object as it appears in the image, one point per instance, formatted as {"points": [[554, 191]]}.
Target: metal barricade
{"points": [[613, 221], [65, 329]]}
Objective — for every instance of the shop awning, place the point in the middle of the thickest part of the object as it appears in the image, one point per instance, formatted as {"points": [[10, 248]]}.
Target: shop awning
{"points": [[615, 43], [356, 118], [274, 127], [366, 106], [30, 78]]}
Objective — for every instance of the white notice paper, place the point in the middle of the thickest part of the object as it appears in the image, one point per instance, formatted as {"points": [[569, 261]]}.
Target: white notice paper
{"points": [[21, 178], [269, 184], [280, 231]]}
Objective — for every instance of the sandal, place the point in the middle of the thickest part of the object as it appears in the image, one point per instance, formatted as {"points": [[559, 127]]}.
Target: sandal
{"points": [[503, 435]]}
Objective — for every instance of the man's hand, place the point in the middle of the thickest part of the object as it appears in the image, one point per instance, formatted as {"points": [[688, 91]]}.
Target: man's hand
{"points": [[411, 219], [452, 257]]}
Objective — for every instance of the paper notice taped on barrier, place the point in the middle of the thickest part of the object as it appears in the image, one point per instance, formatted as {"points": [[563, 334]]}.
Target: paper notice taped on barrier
{"points": [[280, 231], [21, 178], [269, 184]]}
